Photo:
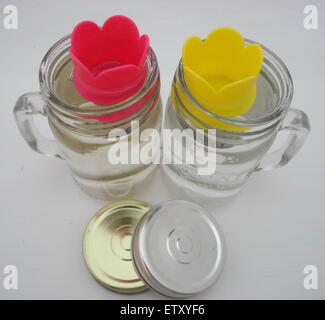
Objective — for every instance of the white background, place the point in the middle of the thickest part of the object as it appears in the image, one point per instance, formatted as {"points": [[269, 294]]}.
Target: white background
{"points": [[273, 229]]}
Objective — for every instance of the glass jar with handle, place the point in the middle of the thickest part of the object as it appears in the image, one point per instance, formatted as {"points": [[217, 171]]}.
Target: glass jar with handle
{"points": [[242, 143], [80, 137]]}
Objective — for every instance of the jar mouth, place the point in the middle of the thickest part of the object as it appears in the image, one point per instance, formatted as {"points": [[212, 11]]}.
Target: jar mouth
{"points": [[58, 55], [273, 71]]}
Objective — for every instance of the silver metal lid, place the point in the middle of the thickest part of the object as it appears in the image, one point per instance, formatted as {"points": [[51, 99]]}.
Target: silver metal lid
{"points": [[178, 249]]}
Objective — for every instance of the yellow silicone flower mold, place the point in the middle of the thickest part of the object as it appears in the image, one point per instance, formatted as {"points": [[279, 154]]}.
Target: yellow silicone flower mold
{"points": [[221, 72]]}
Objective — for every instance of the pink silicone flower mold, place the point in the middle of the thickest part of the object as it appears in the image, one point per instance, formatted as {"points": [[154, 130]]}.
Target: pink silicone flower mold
{"points": [[109, 61]]}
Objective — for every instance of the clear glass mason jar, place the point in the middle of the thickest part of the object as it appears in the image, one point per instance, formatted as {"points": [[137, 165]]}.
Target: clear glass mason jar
{"points": [[241, 144], [81, 139]]}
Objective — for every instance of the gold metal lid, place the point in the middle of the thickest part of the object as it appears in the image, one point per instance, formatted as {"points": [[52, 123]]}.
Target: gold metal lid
{"points": [[107, 245]]}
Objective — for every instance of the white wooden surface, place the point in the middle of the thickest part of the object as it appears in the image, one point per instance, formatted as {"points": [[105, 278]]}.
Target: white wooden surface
{"points": [[273, 229]]}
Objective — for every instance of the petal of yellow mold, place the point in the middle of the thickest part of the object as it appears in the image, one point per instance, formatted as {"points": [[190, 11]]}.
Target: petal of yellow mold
{"points": [[225, 38], [251, 61], [224, 45], [199, 87], [230, 100], [192, 52], [223, 53], [236, 98], [217, 55], [198, 117]]}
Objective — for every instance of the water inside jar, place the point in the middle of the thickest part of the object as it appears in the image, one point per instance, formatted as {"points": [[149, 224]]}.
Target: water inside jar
{"points": [[87, 153], [65, 90], [267, 97]]}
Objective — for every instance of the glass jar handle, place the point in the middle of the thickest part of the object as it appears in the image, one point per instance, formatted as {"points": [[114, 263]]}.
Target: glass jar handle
{"points": [[26, 107], [297, 123]]}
